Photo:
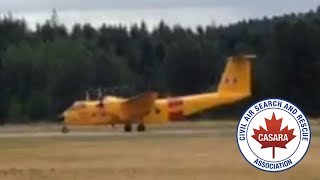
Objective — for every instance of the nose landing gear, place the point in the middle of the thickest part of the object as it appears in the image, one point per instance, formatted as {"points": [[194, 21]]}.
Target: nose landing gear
{"points": [[64, 128]]}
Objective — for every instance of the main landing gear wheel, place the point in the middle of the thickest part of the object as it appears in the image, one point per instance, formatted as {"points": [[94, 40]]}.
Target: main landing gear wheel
{"points": [[141, 127], [64, 129], [127, 128]]}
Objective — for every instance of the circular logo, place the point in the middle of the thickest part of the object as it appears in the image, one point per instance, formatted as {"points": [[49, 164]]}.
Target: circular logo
{"points": [[273, 135]]}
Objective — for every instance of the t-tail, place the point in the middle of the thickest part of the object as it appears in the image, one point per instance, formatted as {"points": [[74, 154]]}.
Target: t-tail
{"points": [[236, 79]]}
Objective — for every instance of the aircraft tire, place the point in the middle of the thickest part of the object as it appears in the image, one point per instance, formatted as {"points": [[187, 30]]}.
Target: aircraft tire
{"points": [[127, 128], [64, 129], [141, 127]]}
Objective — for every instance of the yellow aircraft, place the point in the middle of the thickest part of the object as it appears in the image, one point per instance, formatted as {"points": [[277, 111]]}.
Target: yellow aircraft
{"points": [[234, 85]]}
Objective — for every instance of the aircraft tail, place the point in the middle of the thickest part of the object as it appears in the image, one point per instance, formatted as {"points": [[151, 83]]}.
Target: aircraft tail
{"points": [[236, 77]]}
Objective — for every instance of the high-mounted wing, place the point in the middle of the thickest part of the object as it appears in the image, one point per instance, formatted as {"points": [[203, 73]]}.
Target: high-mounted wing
{"points": [[136, 107]]}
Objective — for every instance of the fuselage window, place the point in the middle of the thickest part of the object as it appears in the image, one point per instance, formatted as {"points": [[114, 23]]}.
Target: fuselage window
{"points": [[157, 110]]}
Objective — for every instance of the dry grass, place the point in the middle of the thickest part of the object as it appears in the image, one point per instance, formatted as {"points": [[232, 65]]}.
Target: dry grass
{"points": [[139, 158]]}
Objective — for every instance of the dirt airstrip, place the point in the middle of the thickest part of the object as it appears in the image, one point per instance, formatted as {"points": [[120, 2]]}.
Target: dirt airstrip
{"points": [[194, 150]]}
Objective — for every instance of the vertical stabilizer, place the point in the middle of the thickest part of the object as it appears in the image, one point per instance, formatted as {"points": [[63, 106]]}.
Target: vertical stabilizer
{"points": [[236, 77]]}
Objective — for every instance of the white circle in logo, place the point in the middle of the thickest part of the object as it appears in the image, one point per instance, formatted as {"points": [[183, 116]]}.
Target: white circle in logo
{"points": [[273, 135]]}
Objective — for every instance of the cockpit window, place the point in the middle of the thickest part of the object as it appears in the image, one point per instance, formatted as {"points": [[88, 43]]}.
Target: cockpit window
{"points": [[77, 105]]}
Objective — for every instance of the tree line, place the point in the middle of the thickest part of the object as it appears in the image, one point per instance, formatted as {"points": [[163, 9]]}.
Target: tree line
{"points": [[44, 70]]}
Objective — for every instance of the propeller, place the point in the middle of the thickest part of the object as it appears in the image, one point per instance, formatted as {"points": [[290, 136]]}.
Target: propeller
{"points": [[87, 96], [100, 98]]}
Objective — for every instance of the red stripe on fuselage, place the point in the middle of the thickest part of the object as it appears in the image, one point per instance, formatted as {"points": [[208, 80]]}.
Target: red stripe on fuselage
{"points": [[174, 116], [175, 101], [175, 108]]}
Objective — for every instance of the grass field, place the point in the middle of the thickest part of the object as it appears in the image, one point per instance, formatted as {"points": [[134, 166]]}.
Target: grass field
{"points": [[140, 156]]}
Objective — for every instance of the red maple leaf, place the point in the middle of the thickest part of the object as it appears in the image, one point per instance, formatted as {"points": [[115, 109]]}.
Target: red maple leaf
{"points": [[273, 136]]}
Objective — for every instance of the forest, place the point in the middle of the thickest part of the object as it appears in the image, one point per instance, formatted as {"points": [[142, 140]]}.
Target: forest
{"points": [[43, 71]]}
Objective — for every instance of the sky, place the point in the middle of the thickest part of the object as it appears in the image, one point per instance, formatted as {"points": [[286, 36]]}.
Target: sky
{"points": [[187, 13]]}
